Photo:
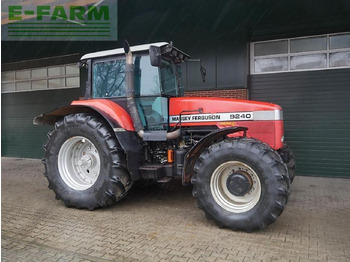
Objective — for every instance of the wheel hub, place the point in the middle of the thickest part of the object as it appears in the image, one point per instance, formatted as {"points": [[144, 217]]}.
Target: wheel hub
{"points": [[78, 163], [239, 184], [235, 186], [85, 161]]}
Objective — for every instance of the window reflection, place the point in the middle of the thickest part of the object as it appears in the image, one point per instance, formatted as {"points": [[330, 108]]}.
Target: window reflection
{"points": [[271, 64], [339, 59], [42, 78], [308, 44], [146, 77], [306, 53], [340, 41], [308, 61], [168, 79], [271, 48], [109, 78]]}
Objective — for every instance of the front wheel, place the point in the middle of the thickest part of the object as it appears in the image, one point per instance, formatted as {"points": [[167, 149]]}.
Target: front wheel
{"points": [[84, 163], [288, 158], [241, 183]]}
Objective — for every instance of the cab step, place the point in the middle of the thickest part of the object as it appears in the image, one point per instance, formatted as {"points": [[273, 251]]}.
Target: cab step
{"points": [[156, 171]]}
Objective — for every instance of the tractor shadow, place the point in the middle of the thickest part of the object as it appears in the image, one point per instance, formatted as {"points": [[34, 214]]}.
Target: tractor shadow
{"points": [[160, 193]]}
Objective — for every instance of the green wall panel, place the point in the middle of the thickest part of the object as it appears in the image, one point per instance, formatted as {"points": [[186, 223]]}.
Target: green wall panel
{"points": [[316, 116], [19, 137]]}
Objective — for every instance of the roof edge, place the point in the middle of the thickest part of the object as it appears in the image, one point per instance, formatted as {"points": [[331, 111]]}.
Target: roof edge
{"points": [[118, 51]]}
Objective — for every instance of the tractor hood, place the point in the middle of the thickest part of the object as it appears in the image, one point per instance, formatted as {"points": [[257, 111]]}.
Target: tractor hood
{"points": [[202, 110], [263, 120]]}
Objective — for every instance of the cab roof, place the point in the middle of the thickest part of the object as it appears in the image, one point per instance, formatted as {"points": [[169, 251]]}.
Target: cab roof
{"points": [[119, 51]]}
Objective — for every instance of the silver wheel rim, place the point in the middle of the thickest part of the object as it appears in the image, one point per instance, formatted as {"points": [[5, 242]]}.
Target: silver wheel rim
{"points": [[79, 163], [221, 194]]}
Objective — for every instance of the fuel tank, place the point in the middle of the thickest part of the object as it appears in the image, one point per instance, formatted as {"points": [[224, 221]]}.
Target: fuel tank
{"points": [[264, 120]]}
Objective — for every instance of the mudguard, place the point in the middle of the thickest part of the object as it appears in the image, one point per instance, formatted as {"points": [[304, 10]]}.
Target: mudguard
{"points": [[114, 114], [193, 154], [111, 111]]}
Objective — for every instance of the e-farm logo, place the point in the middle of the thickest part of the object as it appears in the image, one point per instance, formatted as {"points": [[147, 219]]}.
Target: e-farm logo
{"points": [[63, 22], [76, 13]]}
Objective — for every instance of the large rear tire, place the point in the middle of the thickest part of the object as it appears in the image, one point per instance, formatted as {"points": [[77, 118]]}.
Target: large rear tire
{"points": [[241, 183], [84, 163]]}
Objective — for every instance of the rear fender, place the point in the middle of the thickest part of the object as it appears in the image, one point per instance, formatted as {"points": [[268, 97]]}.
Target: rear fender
{"points": [[110, 110], [193, 154], [118, 119], [114, 114]]}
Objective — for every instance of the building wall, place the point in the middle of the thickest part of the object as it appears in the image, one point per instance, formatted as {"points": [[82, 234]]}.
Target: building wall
{"points": [[316, 117], [19, 137], [227, 93]]}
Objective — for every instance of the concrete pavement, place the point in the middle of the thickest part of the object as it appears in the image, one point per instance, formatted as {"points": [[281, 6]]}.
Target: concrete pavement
{"points": [[162, 223]]}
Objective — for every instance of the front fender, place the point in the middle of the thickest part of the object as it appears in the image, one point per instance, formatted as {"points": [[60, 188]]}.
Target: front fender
{"points": [[193, 154]]}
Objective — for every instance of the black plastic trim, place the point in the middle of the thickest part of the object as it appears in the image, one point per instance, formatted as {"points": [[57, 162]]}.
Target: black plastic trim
{"points": [[195, 151]]}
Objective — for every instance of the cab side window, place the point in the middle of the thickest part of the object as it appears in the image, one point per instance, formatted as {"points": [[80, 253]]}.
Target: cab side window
{"points": [[109, 78]]}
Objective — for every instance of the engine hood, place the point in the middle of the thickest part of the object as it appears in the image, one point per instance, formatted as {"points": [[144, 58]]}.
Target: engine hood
{"points": [[208, 105], [263, 120]]}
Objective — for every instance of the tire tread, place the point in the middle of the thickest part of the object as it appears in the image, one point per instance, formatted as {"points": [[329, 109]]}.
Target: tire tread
{"points": [[268, 155], [119, 182]]}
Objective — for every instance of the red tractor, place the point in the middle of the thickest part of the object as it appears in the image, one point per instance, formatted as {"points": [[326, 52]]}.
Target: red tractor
{"points": [[133, 124]]}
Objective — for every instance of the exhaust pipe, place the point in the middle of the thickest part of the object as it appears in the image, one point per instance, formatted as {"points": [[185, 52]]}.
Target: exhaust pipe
{"points": [[130, 96], [130, 92]]}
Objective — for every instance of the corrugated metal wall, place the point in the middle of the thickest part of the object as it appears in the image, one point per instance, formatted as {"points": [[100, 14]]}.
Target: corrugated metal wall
{"points": [[19, 137], [316, 108]]}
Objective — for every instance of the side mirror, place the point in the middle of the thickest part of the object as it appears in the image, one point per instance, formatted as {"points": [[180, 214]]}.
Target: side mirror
{"points": [[155, 56]]}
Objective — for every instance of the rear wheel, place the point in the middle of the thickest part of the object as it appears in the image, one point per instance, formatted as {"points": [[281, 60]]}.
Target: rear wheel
{"points": [[85, 165], [241, 183]]}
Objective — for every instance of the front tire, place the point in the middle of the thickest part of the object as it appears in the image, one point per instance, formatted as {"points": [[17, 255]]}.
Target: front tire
{"points": [[288, 158], [241, 183], [84, 163]]}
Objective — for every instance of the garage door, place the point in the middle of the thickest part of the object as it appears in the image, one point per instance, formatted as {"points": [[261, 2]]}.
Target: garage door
{"points": [[26, 93], [316, 108], [19, 137]]}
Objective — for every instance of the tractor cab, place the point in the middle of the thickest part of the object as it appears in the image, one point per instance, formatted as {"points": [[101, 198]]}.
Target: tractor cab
{"points": [[157, 77]]}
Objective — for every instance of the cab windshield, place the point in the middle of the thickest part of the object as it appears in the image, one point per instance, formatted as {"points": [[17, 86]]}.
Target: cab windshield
{"points": [[109, 78]]}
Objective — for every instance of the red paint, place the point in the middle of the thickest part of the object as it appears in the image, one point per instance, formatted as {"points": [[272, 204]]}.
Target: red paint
{"points": [[217, 105], [109, 108], [279, 132], [268, 131]]}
